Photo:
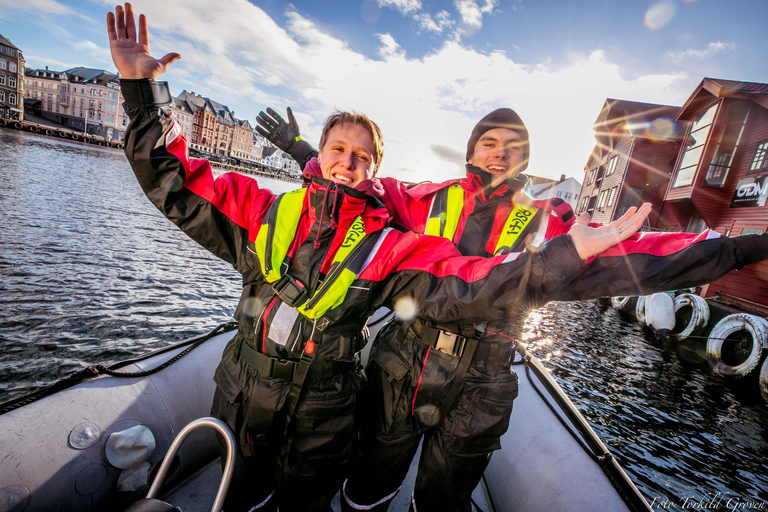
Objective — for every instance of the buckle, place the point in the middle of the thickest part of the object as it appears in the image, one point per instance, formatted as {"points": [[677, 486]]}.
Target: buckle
{"points": [[451, 343], [291, 291], [282, 370]]}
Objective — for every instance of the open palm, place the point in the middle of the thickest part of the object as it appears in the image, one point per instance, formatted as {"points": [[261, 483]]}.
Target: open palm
{"points": [[131, 55], [594, 240]]}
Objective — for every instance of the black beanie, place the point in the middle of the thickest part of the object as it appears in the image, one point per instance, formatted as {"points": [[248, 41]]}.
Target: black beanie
{"points": [[500, 118]]}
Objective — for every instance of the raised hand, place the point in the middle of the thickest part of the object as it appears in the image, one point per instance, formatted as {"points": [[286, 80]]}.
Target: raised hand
{"points": [[276, 130], [590, 241], [131, 56]]}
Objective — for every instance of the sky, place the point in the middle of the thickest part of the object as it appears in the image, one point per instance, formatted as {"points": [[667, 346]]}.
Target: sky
{"points": [[425, 71]]}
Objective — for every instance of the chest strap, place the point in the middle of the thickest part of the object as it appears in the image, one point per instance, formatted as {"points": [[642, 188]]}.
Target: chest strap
{"points": [[274, 240], [519, 223], [448, 203]]}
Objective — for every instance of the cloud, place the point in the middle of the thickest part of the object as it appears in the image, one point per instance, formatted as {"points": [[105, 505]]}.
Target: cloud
{"points": [[43, 7], [441, 21], [101, 53], [404, 6], [236, 54], [472, 13], [712, 48]]}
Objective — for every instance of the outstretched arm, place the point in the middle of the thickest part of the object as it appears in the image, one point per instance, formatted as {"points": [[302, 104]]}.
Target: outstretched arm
{"points": [[590, 241], [131, 56]]}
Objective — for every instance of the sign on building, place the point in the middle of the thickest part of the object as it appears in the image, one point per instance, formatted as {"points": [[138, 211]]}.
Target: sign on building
{"points": [[751, 192]]}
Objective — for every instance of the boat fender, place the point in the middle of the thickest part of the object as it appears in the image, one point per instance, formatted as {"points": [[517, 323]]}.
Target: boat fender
{"points": [[130, 447], [48, 132], [18, 125], [623, 303], [764, 380], [699, 315], [660, 312], [3, 122], [739, 327], [62, 134], [640, 312], [33, 129]]}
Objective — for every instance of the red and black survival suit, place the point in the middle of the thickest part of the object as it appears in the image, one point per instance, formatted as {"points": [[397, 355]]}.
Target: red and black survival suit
{"points": [[452, 382], [289, 382]]}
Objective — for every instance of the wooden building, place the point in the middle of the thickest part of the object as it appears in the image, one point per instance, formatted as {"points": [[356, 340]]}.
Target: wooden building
{"points": [[632, 160], [702, 165]]}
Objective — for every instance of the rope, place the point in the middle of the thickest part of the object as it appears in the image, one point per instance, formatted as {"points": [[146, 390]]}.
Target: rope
{"points": [[97, 370]]}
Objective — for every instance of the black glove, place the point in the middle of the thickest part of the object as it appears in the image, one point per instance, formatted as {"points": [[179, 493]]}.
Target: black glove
{"points": [[276, 130], [285, 135]]}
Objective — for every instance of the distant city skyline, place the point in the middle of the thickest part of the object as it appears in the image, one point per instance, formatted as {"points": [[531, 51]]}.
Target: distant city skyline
{"points": [[426, 72]]}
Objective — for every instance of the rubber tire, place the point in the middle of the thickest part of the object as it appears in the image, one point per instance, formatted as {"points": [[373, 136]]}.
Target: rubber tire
{"points": [[33, 129], [699, 317], [623, 303], [758, 330], [640, 310], [764, 380], [75, 136], [48, 132], [18, 125], [3, 122]]}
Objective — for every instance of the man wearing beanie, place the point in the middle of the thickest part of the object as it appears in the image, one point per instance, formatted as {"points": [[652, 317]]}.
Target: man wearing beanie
{"points": [[420, 372]]}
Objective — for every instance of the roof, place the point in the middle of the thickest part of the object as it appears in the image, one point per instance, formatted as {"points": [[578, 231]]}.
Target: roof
{"points": [[711, 88], [7, 42], [268, 151], [90, 76], [647, 120]]}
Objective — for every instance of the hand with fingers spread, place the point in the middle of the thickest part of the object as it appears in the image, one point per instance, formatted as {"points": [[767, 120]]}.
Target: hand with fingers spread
{"points": [[131, 55], [276, 130], [590, 241]]}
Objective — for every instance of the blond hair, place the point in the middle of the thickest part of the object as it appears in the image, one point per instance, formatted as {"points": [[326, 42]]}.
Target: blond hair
{"points": [[360, 119]]}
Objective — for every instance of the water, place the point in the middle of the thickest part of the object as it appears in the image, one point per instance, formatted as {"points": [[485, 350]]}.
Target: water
{"points": [[91, 272]]}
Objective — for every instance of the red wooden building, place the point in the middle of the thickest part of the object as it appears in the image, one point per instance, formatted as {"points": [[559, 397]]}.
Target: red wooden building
{"points": [[716, 174]]}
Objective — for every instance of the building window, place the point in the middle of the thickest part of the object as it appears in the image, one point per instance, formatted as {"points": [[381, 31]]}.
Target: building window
{"points": [[603, 197], [2, 79], [12, 67], [12, 99], [751, 231], [612, 198], [612, 165], [760, 160], [11, 82], [694, 147], [2, 64], [2, 95], [727, 144]]}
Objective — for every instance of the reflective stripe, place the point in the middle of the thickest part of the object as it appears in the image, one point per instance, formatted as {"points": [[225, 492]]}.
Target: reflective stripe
{"points": [[519, 218], [357, 506], [276, 235], [445, 211], [257, 507], [279, 227], [334, 288]]}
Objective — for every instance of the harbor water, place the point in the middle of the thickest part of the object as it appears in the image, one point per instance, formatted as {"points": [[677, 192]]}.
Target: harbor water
{"points": [[91, 272]]}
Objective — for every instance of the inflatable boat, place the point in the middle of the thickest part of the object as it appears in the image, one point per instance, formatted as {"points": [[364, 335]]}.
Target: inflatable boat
{"points": [[95, 441]]}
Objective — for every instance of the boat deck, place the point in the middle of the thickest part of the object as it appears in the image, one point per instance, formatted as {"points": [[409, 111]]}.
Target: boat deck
{"points": [[198, 492]]}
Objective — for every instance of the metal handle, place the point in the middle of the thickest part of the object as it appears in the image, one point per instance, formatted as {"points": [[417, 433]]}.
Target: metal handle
{"points": [[229, 466]]}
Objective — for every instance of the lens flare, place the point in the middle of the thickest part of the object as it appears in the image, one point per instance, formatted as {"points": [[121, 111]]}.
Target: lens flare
{"points": [[659, 14], [661, 129], [172, 182], [405, 309]]}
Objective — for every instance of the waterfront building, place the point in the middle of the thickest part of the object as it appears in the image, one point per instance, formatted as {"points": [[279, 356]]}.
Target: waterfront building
{"points": [[566, 189], [11, 80], [82, 99], [705, 166], [183, 114], [272, 158], [632, 159], [290, 166], [242, 141], [203, 122], [224, 129]]}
